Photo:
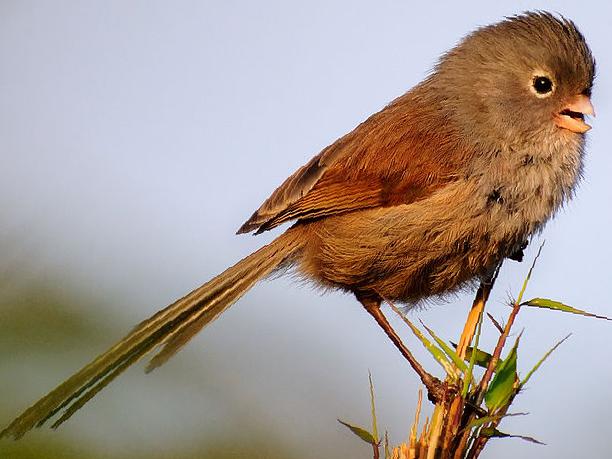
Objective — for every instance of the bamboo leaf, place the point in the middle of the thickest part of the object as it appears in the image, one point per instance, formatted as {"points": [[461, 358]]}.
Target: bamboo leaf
{"points": [[492, 432], [494, 418], [504, 383], [435, 351], [558, 306], [481, 358], [447, 349], [374, 423], [360, 432], [541, 361]]}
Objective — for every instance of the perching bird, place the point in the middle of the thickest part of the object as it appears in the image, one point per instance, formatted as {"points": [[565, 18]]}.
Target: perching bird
{"points": [[423, 198]]}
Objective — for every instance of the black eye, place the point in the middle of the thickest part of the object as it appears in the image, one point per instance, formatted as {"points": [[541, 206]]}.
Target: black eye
{"points": [[542, 85]]}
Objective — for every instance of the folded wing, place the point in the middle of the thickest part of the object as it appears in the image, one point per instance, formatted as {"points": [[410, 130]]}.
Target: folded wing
{"points": [[392, 158]]}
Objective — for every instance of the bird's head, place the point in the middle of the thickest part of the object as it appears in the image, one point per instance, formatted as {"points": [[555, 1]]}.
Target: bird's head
{"points": [[526, 77]]}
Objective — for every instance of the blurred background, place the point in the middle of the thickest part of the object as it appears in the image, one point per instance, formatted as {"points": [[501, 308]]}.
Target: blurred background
{"points": [[135, 137]]}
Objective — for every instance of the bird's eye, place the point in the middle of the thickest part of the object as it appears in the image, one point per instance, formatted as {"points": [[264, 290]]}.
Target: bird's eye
{"points": [[542, 85]]}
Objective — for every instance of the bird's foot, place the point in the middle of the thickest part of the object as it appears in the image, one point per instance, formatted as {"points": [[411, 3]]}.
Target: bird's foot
{"points": [[518, 254]]}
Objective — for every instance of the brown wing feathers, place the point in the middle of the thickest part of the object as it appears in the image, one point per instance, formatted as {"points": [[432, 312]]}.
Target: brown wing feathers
{"points": [[389, 159], [293, 188]]}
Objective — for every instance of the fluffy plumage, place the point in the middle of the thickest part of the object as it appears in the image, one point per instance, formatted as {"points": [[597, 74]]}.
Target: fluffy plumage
{"points": [[419, 200]]}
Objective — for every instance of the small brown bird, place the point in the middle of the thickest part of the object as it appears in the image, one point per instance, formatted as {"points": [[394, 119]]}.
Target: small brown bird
{"points": [[423, 198]]}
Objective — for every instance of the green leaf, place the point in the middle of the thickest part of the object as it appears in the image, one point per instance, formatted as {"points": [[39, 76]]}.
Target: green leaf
{"points": [[495, 418], [374, 423], [447, 349], [360, 432], [541, 361], [435, 351], [481, 358], [558, 306], [504, 383], [492, 432]]}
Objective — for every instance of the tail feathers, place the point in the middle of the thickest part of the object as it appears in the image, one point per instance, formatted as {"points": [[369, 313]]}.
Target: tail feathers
{"points": [[170, 328]]}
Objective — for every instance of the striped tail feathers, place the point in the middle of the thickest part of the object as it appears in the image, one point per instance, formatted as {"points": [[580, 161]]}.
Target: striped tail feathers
{"points": [[171, 328], [256, 267]]}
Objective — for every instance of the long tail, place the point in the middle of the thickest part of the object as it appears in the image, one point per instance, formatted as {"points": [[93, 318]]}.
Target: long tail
{"points": [[170, 328]]}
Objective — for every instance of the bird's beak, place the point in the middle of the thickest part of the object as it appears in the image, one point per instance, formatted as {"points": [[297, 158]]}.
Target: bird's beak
{"points": [[572, 115]]}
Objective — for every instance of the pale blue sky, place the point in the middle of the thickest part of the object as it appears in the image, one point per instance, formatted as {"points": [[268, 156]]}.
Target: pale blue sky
{"points": [[136, 137]]}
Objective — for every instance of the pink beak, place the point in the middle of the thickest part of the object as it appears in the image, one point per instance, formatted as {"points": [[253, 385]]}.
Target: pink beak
{"points": [[572, 115]]}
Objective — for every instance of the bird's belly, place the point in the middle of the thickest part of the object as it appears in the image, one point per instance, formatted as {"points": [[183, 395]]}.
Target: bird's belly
{"points": [[426, 249]]}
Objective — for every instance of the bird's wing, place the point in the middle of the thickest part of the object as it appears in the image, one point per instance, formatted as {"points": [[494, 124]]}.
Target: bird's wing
{"points": [[293, 188], [394, 157]]}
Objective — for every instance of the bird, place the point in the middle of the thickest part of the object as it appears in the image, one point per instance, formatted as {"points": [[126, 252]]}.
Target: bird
{"points": [[421, 200]]}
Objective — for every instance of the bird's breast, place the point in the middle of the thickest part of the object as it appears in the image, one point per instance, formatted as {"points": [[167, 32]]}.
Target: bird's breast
{"points": [[523, 188]]}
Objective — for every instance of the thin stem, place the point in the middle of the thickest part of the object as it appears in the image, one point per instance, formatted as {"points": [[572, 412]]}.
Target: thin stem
{"points": [[482, 295], [502, 339], [497, 353], [376, 451], [480, 442]]}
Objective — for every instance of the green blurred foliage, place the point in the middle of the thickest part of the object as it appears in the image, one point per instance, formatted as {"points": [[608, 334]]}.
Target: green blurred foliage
{"points": [[42, 323]]}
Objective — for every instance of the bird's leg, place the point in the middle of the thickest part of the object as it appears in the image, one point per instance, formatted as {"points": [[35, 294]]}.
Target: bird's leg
{"points": [[435, 387]]}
